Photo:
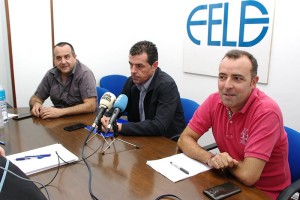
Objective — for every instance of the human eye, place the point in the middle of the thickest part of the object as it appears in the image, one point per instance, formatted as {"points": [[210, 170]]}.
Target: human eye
{"points": [[58, 58], [222, 77], [238, 78], [67, 57]]}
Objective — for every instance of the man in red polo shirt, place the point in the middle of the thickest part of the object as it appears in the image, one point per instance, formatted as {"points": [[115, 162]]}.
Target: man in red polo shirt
{"points": [[247, 126]]}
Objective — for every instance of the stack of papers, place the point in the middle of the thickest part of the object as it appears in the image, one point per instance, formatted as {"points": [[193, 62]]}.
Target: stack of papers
{"points": [[38, 160], [178, 167]]}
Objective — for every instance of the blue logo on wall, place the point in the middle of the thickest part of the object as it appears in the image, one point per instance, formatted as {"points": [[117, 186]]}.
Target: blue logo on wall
{"points": [[210, 22]]}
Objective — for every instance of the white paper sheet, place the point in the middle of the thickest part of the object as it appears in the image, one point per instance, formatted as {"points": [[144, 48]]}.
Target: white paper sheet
{"points": [[32, 166], [164, 167]]}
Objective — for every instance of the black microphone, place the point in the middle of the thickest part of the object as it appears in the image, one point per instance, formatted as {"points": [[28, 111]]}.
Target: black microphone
{"points": [[119, 106], [106, 103]]}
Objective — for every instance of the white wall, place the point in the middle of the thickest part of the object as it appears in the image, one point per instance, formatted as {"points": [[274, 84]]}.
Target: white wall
{"points": [[5, 76], [103, 31], [31, 45], [285, 63]]}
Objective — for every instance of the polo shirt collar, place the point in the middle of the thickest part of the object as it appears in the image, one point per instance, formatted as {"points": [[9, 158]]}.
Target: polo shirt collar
{"points": [[250, 100]]}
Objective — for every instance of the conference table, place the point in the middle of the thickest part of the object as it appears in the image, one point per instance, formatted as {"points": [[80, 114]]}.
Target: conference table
{"points": [[120, 173]]}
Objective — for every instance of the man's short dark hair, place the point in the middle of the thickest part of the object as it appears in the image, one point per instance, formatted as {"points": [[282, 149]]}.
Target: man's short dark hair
{"points": [[145, 47], [61, 44], [235, 54]]}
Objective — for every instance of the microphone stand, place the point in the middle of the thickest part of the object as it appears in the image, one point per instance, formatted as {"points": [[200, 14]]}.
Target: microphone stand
{"points": [[116, 133], [99, 131]]}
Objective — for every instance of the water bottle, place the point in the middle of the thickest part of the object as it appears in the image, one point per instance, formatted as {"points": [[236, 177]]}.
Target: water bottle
{"points": [[3, 105], [1, 121]]}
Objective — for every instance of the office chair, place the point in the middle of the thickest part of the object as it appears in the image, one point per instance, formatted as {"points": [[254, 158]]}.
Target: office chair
{"points": [[189, 107], [294, 162], [100, 92], [114, 83]]}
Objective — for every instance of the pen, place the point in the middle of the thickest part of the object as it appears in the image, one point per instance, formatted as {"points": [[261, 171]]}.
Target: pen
{"points": [[32, 157], [2, 143], [180, 168]]}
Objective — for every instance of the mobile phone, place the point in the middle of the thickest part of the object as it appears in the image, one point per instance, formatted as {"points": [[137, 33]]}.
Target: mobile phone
{"points": [[74, 127], [22, 116], [222, 191]]}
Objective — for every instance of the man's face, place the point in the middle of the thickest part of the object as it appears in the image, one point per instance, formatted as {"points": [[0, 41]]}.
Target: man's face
{"points": [[140, 69], [64, 59], [235, 82]]}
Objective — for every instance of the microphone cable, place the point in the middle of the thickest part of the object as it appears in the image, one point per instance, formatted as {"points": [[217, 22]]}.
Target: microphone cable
{"points": [[172, 196], [58, 165], [88, 167]]}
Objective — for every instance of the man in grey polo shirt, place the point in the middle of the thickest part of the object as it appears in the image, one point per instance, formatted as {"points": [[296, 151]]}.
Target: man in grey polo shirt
{"points": [[70, 84]]}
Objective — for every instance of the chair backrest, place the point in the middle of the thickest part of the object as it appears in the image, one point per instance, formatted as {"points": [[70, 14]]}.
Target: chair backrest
{"points": [[189, 107], [114, 83], [100, 92], [294, 159]]}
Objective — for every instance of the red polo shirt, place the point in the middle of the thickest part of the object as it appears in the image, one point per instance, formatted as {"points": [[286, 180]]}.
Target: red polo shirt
{"points": [[255, 131]]}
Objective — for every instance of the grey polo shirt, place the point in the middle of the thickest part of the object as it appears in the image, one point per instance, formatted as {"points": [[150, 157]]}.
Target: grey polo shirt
{"points": [[80, 84]]}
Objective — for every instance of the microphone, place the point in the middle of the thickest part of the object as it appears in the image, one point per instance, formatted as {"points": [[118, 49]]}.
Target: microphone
{"points": [[119, 106], [106, 103]]}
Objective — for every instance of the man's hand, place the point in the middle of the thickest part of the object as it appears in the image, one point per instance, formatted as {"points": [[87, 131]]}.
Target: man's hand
{"points": [[2, 152], [105, 121], [222, 161], [50, 112], [36, 109], [36, 104]]}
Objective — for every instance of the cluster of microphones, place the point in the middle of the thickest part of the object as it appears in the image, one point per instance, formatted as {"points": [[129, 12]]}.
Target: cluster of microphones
{"points": [[108, 101]]}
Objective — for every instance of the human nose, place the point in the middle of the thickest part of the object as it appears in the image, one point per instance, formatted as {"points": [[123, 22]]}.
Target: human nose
{"points": [[228, 83], [133, 69], [63, 60]]}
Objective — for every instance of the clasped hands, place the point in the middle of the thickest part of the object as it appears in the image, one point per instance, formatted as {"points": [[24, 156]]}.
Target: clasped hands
{"points": [[45, 112], [222, 161]]}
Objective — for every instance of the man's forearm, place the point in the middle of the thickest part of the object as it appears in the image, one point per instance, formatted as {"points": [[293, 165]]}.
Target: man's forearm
{"points": [[34, 99], [87, 107], [74, 110], [248, 171], [193, 150]]}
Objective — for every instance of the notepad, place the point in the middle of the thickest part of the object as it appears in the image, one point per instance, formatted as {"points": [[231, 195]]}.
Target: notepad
{"points": [[166, 168], [32, 166]]}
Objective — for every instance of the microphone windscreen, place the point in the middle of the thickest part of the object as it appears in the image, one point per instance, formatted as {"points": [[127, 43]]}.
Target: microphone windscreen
{"points": [[107, 100], [121, 102]]}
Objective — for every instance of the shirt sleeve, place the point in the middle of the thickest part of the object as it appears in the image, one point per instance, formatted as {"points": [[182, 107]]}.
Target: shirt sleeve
{"points": [[201, 121], [88, 85], [43, 90]]}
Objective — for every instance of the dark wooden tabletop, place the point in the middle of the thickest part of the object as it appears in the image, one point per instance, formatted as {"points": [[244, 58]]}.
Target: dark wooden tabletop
{"points": [[120, 173]]}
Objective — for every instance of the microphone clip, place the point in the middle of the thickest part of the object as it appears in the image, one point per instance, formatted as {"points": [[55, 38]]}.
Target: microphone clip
{"points": [[115, 128]]}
